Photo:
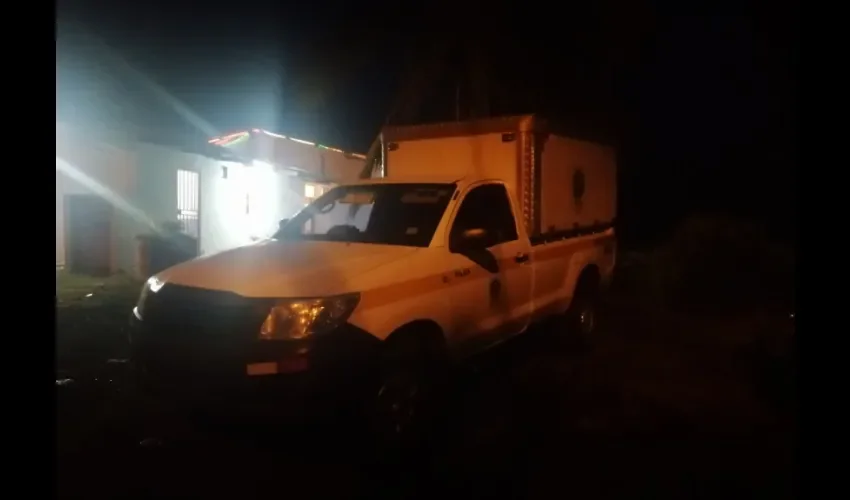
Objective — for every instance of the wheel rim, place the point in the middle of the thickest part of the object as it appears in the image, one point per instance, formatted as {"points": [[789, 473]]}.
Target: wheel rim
{"points": [[398, 401], [586, 320]]}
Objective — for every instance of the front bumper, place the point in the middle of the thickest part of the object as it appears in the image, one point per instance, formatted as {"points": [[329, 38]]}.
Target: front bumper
{"points": [[238, 376]]}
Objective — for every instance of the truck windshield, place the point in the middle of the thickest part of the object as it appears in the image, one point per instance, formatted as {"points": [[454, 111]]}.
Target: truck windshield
{"points": [[389, 214]]}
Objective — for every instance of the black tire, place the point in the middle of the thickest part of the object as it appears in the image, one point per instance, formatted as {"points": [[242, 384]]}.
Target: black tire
{"points": [[582, 318], [410, 394]]}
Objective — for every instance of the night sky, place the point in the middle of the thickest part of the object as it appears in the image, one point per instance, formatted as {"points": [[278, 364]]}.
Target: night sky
{"points": [[701, 107]]}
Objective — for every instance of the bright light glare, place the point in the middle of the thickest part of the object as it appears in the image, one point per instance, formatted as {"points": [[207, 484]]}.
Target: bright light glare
{"points": [[155, 284], [263, 165], [260, 184]]}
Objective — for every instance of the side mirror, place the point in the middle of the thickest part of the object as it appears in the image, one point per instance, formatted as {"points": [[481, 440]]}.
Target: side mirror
{"points": [[472, 243]]}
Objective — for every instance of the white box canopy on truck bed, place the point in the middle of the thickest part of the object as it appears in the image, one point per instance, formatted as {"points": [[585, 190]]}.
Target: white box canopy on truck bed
{"points": [[562, 184]]}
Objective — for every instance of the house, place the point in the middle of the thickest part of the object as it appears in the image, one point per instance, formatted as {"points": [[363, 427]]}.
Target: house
{"points": [[228, 192], [313, 166]]}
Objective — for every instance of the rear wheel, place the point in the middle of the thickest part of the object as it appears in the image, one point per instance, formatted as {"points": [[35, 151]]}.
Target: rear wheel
{"points": [[581, 318]]}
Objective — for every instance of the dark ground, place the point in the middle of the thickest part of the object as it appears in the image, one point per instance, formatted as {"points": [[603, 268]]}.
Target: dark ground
{"points": [[663, 406]]}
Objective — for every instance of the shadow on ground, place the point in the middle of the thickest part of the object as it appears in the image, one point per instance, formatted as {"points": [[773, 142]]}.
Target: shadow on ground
{"points": [[660, 407]]}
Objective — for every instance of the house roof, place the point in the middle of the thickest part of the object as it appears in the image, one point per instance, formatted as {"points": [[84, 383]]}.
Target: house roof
{"points": [[237, 137]]}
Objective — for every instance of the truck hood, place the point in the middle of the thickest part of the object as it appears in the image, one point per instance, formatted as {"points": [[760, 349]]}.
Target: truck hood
{"points": [[285, 269]]}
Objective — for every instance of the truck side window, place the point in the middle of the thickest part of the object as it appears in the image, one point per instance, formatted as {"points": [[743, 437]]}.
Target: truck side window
{"points": [[486, 207]]}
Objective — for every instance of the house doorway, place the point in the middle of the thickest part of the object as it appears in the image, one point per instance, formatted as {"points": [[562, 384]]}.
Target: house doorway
{"points": [[88, 234]]}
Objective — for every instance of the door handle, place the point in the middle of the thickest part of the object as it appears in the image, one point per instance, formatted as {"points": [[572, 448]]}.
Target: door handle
{"points": [[521, 258]]}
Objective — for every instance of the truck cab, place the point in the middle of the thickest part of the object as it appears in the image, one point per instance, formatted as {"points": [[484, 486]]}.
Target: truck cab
{"points": [[463, 260]]}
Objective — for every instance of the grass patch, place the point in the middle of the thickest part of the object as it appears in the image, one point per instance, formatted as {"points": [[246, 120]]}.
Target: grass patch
{"points": [[88, 291], [91, 319]]}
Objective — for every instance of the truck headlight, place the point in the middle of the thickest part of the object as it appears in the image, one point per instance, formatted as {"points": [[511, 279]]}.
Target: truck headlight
{"points": [[152, 285], [301, 318]]}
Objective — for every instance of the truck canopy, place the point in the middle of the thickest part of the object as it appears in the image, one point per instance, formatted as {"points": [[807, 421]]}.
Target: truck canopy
{"points": [[562, 183]]}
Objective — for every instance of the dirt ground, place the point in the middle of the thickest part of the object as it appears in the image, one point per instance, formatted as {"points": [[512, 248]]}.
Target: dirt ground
{"points": [[661, 407]]}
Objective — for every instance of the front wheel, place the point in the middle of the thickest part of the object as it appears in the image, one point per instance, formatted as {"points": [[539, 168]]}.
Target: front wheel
{"points": [[408, 398]]}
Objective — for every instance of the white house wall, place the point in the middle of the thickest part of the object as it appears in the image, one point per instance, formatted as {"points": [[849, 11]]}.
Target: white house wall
{"points": [[156, 192], [141, 184], [85, 167], [223, 223]]}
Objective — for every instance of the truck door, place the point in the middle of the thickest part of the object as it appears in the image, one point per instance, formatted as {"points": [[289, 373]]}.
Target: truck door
{"points": [[492, 292]]}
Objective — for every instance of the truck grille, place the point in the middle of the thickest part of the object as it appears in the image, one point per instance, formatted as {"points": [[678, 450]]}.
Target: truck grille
{"points": [[195, 311], [195, 330]]}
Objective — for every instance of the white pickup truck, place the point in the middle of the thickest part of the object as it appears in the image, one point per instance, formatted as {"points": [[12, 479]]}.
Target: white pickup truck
{"points": [[475, 231]]}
